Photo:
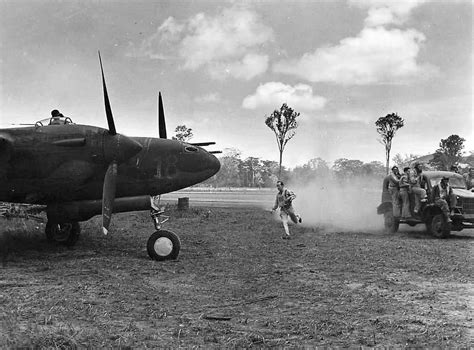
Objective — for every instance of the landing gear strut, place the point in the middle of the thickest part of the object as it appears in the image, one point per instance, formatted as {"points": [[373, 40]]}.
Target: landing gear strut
{"points": [[163, 244], [64, 233]]}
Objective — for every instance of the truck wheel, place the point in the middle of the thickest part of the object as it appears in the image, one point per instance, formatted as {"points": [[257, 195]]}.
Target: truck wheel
{"points": [[391, 223], [64, 233], [163, 245], [438, 226]]}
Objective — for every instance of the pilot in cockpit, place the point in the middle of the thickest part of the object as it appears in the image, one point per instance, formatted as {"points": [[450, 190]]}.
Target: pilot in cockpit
{"points": [[56, 117]]}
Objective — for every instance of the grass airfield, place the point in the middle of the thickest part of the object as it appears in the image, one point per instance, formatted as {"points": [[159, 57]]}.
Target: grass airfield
{"points": [[236, 284]]}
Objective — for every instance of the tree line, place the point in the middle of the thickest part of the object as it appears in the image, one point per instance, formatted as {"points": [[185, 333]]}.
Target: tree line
{"points": [[256, 172]]}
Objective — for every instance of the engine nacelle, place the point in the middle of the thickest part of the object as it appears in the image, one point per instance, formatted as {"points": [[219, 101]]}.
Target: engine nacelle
{"points": [[84, 210]]}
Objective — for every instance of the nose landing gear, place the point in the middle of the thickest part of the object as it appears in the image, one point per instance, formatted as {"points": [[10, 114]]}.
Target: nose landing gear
{"points": [[162, 244]]}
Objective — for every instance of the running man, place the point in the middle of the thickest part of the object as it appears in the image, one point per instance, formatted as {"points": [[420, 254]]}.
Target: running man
{"points": [[284, 199]]}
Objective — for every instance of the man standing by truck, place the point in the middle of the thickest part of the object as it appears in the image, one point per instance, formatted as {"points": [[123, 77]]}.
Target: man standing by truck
{"points": [[418, 187], [405, 193], [394, 190]]}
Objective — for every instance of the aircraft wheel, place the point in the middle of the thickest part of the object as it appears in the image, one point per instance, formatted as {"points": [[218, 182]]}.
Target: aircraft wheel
{"points": [[64, 233], [163, 245], [391, 223], [438, 226]]}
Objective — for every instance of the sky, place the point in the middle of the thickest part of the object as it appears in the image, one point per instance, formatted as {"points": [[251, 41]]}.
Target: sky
{"points": [[223, 66]]}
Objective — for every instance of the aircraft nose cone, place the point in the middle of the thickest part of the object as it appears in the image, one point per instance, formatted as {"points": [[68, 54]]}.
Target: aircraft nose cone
{"points": [[199, 161], [214, 164]]}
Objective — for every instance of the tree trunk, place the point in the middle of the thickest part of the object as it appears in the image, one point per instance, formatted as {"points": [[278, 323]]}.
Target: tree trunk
{"points": [[279, 171], [387, 153]]}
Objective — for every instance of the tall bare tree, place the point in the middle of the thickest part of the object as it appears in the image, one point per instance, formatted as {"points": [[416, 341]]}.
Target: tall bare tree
{"points": [[283, 123], [387, 127]]}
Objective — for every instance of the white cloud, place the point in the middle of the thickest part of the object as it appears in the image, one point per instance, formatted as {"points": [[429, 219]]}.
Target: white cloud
{"points": [[274, 94], [226, 44], [249, 67], [382, 12], [208, 98], [376, 55], [159, 45], [228, 36]]}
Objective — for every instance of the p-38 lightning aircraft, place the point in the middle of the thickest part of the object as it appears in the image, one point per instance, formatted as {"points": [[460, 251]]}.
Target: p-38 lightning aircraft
{"points": [[79, 171]]}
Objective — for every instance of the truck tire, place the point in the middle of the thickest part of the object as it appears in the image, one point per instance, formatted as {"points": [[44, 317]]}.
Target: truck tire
{"points": [[391, 223], [438, 227]]}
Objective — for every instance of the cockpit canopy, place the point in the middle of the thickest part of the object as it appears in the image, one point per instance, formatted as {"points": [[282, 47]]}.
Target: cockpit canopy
{"points": [[54, 121]]}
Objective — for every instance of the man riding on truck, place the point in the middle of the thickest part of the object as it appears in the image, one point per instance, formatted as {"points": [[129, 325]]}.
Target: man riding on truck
{"points": [[444, 197]]}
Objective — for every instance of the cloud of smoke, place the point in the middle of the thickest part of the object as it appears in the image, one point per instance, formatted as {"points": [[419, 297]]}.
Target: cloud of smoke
{"points": [[336, 206]]}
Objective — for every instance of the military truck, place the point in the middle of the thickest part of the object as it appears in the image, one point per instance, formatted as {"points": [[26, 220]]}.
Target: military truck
{"points": [[430, 214]]}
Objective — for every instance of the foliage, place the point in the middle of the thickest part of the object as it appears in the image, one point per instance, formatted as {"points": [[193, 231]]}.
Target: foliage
{"points": [[250, 172], [283, 123], [387, 127], [347, 169], [255, 172], [469, 160], [229, 174], [183, 133], [316, 168], [448, 153], [404, 160]]}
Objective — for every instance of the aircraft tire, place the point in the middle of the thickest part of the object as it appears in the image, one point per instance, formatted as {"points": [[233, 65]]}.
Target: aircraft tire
{"points": [[64, 233], [438, 227], [163, 245]]}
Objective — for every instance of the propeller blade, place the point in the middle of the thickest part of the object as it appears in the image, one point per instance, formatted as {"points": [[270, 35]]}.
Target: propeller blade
{"points": [[108, 109], [108, 196], [215, 152], [161, 118], [202, 144]]}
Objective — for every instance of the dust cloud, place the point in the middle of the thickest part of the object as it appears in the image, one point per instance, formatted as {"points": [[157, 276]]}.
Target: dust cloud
{"points": [[339, 206]]}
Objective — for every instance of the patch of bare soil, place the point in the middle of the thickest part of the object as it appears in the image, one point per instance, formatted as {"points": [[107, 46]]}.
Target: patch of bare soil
{"points": [[236, 284]]}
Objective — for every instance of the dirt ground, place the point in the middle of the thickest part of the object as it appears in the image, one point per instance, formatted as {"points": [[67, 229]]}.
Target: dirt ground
{"points": [[236, 284]]}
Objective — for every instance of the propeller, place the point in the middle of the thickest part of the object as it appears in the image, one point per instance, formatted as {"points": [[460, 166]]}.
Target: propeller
{"points": [[161, 118], [117, 148], [108, 196], [162, 126], [201, 144]]}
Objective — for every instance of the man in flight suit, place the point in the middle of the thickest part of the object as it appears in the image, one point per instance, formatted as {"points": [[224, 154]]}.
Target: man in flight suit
{"points": [[284, 199]]}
